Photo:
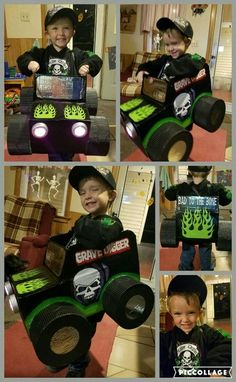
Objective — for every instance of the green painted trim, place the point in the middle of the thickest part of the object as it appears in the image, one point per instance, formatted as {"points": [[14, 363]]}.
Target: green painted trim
{"points": [[85, 310], [183, 124]]}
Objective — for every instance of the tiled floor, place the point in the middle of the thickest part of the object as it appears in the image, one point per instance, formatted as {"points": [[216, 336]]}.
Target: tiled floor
{"points": [[133, 354]]}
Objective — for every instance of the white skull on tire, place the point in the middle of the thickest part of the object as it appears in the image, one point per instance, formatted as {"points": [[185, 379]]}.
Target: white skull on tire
{"points": [[182, 105]]}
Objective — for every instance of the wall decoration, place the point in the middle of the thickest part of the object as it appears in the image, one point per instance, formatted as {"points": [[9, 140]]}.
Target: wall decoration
{"points": [[128, 16]]}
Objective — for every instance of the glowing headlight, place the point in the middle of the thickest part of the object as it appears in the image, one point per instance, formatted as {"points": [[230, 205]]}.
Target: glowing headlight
{"points": [[131, 130], [79, 129], [39, 130]]}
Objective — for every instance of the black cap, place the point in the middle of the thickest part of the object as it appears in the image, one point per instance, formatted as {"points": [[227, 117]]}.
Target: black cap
{"points": [[80, 172], [60, 12], [188, 284], [181, 24], [199, 168]]}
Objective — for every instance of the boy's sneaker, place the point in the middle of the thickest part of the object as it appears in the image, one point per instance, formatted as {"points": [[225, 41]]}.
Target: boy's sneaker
{"points": [[77, 369], [55, 369], [76, 374]]}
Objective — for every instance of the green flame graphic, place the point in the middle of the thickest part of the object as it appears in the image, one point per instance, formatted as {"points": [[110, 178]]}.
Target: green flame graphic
{"points": [[131, 104], [74, 112], [31, 285], [142, 113], [197, 224], [44, 111]]}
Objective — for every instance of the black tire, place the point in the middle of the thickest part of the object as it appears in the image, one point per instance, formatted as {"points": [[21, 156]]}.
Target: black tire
{"points": [[168, 233], [26, 99], [51, 325], [91, 101], [170, 142], [224, 238], [128, 302], [209, 113], [18, 136], [99, 137]]}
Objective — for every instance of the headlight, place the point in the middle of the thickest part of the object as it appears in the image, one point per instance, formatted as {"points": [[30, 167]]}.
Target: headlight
{"points": [[8, 288], [13, 303], [39, 130], [129, 127], [79, 129]]}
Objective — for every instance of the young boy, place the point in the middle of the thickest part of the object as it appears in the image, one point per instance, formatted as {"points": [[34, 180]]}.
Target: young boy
{"points": [[199, 186], [190, 349], [97, 191], [57, 58], [177, 35]]}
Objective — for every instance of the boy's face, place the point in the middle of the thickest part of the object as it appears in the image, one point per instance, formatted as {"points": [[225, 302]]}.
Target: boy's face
{"points": [[95, 196], [60, 33], [185, 315], [198, 177], [175, 45]]}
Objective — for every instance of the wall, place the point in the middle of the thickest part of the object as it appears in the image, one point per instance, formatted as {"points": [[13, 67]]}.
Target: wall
{"points": [[132, 42], [200, 24], [9, 180]]}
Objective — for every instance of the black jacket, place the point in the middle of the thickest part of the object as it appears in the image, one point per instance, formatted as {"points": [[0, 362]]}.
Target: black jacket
{"points": [[207, 346], [186, 65], [66, 62], [205, 188]]}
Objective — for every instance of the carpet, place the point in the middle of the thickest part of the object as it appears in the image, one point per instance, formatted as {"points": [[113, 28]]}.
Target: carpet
{"points": [[207, 147], [170, 257], [21, 360], [36, 157]]}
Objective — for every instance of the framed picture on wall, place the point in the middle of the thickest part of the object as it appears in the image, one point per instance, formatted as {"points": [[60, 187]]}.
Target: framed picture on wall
{"points": [[128, 17]]}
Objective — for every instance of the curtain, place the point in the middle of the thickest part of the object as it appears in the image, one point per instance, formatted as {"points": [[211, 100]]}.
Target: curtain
{"points": [[150, 13]]}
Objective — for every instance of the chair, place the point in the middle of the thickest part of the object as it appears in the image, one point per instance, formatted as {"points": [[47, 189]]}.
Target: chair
{"points": [[128, 86], [27, 228]]}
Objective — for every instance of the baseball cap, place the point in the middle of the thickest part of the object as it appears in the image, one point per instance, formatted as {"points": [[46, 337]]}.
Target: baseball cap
{"points": [[80, 172], [180, 23], [199, 168], [188, 284], [60, 12]]}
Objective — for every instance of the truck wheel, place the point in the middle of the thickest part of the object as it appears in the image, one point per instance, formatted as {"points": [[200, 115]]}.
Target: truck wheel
{"points": [[60, 334], [224, 241], [99, 137], [128, 302], [26, 99], [91, 101], [18, 137], [209, 113], [168, 234], [170, 142]]}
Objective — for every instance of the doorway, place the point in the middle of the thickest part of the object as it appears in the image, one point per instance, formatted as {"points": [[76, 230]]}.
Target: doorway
{"points": [[221, 301]]}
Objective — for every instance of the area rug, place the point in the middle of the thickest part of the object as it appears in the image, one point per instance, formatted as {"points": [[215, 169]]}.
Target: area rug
{"points": [[37, 157], [21, 361]]}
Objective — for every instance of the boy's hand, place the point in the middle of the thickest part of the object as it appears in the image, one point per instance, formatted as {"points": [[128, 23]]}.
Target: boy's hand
{"points": [[84, 70], [33, 66], [139, 77]]}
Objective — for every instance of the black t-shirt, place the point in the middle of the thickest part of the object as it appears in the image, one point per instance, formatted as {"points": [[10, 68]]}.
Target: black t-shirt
{"points": [[203, 346], [66, 62]]}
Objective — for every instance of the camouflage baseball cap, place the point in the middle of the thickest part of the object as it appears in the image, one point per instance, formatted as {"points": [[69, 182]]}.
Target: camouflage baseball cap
{"points": [[180, 23], [60, 12]]}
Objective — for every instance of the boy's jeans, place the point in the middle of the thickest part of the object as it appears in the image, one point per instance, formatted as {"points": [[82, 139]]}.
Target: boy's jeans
{"points": [[188, 253]]}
